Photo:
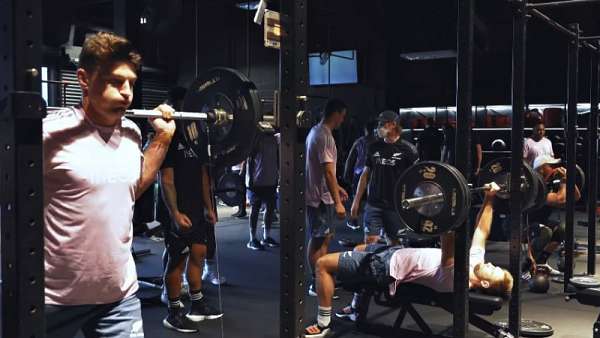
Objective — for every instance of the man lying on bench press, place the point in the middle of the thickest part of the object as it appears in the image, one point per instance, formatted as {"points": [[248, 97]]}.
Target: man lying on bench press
{"points": [[430, 267]]}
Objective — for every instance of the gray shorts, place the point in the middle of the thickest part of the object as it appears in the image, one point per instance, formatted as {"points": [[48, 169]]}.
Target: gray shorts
{"points": [[353, 269], [320, 221], [377, 219], [117, 320]]}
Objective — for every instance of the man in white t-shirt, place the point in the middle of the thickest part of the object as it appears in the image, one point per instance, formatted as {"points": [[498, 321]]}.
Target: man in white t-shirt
{"points": [[430, 267], [537, 144]]}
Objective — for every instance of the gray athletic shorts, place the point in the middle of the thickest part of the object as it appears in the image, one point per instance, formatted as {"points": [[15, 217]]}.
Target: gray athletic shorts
{"points": [[117, 320], [349, 264], [320, 221]]}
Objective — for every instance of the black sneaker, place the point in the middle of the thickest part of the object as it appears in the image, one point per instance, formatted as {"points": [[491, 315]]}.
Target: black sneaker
{"points": [[202, 310], [353, 224], [348, 313], [241, 213], [255, 245], [270, 242], [177, 322]]}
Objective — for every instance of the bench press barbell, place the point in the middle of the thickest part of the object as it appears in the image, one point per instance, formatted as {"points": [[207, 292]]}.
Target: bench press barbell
{"points": [[433, 197]]}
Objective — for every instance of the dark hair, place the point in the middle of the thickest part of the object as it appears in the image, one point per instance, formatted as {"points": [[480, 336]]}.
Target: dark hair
{"points": [[537, 122], [333, 106], [104, 49]]}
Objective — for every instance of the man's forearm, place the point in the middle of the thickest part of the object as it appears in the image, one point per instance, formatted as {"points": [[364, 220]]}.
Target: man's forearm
{"points": [[153, 157], [170, 197], [362, 186], [486, 215]]}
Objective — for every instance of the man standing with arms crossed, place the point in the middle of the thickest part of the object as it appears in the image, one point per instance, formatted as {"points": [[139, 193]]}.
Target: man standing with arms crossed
{"points": [[323, 195]]}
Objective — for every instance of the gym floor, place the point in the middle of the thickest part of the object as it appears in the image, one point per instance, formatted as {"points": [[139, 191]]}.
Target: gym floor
{"points": [[251, 298]]}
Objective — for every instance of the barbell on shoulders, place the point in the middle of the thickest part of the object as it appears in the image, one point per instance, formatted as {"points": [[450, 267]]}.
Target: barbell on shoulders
{"points": [[221, 109]]}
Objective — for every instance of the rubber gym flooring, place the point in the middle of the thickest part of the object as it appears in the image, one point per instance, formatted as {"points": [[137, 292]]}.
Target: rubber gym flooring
{"points": [[250, 300]]}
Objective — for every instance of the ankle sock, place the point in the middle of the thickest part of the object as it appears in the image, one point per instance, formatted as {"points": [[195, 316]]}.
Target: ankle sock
{"points": [[324, 316]]}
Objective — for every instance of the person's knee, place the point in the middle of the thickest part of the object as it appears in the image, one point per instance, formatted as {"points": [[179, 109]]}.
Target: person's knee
{"points": [[360, 247], [198, 254], [326, 264], [175, 266], [371, 239]]}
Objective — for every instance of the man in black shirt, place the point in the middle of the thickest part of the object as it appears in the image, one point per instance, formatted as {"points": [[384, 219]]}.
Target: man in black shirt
{"points": [[430, 142], [546, 234], [186, 191], [387, 159], [448, 150]]}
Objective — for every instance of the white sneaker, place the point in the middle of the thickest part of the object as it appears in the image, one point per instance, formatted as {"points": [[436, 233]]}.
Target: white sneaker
{"points": [[213, 278], [553, 271]]}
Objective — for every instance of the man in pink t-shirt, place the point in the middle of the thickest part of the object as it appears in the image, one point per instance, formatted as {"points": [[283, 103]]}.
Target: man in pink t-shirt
{"points": [[430, 267], [94, 170], [537, 144]]}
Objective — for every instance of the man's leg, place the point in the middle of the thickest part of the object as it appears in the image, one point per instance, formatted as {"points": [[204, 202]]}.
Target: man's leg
{"points": [[255, 204], [346, 266], [64, 321], [119, 320], [373, 221], [201, 308], [393, 226], [326, 267], [270, 200], [320, 225], [552, 245], [194, 266]]}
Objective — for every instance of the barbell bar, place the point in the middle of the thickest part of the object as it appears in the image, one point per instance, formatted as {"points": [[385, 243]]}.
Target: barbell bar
{"points": [[213, 116], [418, 202]]}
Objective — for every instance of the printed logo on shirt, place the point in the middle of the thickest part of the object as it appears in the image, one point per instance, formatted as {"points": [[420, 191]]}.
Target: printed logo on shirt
{"points": [[180, 146]]}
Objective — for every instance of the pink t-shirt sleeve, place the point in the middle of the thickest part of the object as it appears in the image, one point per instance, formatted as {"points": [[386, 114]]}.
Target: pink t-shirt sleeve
{"points": [[327, 150]]}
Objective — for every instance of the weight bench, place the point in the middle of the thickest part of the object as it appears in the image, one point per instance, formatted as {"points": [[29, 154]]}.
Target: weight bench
{"points": [[409, 294]]}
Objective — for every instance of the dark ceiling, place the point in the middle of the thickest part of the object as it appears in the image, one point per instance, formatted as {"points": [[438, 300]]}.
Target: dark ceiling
{"points": [[400, 26]]}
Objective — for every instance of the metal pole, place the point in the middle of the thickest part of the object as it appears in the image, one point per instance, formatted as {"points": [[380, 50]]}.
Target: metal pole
{"points": [[293, 81], [518, 108], [592, 194], [554, 24], [464, 96], [573, 73], [21, 187], [557, 4]]}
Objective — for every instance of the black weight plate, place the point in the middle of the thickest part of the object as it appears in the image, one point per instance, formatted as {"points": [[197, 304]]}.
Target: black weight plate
{"points": [[465, 188], [540, 198], [585, 282], [531, 182], [499, 171], [531, 328], [429, 178], [230, 189], [230, 90]]}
